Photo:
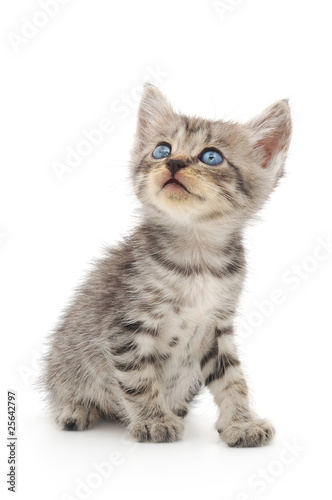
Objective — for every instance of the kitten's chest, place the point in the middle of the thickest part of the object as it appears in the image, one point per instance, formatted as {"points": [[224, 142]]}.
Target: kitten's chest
{"points": [[196, 295], [200, 293], [191, 314]]}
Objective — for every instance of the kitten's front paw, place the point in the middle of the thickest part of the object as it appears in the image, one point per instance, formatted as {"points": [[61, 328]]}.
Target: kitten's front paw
{"points": [[248, 434], [77, 418], [161, 430]]}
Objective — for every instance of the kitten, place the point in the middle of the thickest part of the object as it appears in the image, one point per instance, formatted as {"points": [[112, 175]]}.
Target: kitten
{"points": [[154, 320]]}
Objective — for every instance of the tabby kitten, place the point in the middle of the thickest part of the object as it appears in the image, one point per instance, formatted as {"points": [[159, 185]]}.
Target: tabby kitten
{"points": [[154, 320]]}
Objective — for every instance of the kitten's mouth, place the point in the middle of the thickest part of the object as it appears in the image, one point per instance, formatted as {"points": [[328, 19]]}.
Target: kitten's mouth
{"points": [[174, 182]]}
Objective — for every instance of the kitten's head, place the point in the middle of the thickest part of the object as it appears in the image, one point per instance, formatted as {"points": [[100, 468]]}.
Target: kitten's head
{"points": [[191, 169]]}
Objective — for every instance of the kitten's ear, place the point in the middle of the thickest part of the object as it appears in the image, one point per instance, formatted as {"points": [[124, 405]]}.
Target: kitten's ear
{"points": [[271, 134], [153, 111]]}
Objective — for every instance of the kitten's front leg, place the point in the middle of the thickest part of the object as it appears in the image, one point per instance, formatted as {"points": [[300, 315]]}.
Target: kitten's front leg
{"points": [[142, 396], [237, 424]]}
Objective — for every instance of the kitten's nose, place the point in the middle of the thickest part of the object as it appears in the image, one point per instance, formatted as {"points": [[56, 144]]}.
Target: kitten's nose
{"points": [[175, 165]]}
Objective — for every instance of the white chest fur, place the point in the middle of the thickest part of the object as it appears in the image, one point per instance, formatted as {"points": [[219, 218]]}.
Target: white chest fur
{"points": [[194, 312]]}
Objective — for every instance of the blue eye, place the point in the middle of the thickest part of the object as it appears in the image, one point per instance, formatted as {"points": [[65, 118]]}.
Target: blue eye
{"points": [[211, 157], [162, 151]]}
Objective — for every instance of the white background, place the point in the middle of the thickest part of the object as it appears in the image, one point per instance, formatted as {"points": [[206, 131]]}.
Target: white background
{"points": [[80, 68]]}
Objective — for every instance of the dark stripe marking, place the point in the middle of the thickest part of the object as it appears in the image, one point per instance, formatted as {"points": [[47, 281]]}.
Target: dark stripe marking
{"points": [[172, 266], [193, 391], [124, 349], [141, 362], [212, 353], [174, 342], [222, 363], [135, 327], [223, 331], [239, 179], [135, 391]]}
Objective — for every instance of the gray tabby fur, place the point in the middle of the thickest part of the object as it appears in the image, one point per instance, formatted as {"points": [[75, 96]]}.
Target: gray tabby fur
{"points": [[154, 320]]}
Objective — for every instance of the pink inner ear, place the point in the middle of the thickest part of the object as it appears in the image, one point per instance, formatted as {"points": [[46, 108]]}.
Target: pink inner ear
{"points": [[273, 128], [270, 145]]}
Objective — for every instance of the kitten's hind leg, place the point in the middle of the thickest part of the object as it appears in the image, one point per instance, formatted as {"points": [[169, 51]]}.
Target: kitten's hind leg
{"points": [[72, 417]]}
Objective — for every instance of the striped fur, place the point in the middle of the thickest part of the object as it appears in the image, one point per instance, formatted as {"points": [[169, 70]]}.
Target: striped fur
{"points": [[154, 320]]}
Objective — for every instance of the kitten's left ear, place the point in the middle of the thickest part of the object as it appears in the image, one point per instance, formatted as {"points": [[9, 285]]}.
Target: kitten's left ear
{"points": [[153, 111], [272, 134]]}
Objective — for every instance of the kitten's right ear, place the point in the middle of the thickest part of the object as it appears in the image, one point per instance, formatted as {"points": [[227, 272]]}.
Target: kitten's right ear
{"points": [[153, 111]]}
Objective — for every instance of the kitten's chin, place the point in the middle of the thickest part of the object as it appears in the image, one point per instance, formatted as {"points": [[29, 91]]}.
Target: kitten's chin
{"points": [[175, 191], [177, 203]]}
